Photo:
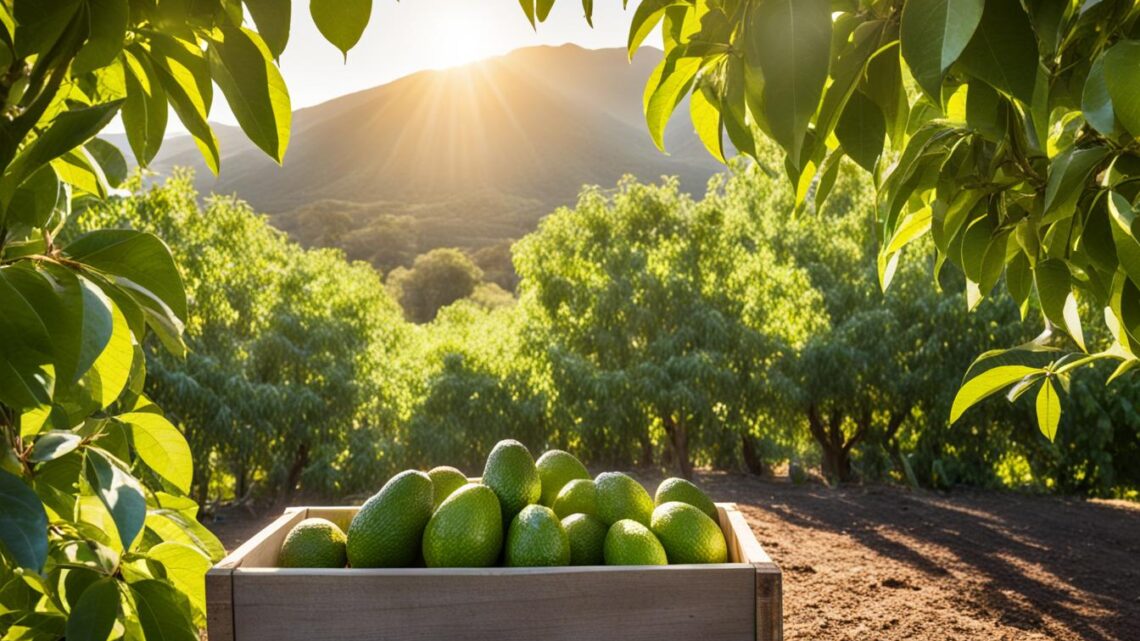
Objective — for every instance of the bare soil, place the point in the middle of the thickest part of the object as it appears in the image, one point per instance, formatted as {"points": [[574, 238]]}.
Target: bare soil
{"points": [[875, 562]]}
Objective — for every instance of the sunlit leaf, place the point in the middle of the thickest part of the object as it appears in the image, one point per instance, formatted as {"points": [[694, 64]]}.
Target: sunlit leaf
{"points": [[1048, 409], [933, 33]]}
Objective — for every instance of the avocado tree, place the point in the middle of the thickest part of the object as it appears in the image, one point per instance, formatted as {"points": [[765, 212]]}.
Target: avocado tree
{"points": [[97, 532], [653, 321], [1002, 130]]}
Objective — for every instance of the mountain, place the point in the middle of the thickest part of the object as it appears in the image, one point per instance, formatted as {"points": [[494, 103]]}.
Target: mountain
{"points": [[470, 156]]}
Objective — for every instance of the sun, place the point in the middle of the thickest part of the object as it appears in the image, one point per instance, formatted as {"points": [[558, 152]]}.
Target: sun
{"points": [[464, 35]]}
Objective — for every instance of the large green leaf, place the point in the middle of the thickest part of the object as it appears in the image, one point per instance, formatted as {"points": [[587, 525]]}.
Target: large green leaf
{"points": [[647, 16], [676, 79], [54, 444], [1122, 78], [39, 23], [23, 523], [790, 41], [119, 492], [1048, 409], [184, 74], [145, 109], [27, 373], [862, 131], [1054, 290], [110, 159], [342, 22], [1003, 51], [108, 23], [173, 525], [186, 568], [164, 612], [1068, 175], [1096, 103], [1123, 219], [243, 67], [162, 447], [932, 34], [105, 380], [69, 130], [34, 201], [95, 613], [994, 371], [140, 257], [272, 20]]}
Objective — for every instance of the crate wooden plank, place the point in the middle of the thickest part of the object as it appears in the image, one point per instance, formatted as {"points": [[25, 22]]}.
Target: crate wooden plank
{"points": [[709, 603], [251, 600]]}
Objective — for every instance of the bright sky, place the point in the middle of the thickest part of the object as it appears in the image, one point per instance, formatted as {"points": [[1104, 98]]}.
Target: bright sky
{"points": [[405, 37]]}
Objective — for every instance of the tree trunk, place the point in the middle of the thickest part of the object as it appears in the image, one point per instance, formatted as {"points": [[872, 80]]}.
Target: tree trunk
{"points": [[752, 458], [646, 449], [836, 450], [679, 445], [300, 460]]}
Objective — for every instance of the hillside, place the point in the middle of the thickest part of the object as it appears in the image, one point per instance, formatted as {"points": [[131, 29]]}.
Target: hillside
{"points": [[471, 156]]}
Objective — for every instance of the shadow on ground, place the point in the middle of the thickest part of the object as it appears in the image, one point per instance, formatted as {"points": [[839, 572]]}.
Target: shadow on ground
{"points": [[897, 564]]}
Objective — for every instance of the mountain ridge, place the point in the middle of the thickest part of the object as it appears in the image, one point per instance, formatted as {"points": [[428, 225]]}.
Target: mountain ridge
{"points": [[529, 128]]}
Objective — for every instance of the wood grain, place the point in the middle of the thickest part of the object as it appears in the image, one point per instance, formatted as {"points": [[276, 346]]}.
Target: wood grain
{"points": [[714, 603]]}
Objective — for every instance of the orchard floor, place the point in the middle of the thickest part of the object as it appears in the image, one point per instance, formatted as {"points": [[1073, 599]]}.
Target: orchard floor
{"points": [[886, 563]]}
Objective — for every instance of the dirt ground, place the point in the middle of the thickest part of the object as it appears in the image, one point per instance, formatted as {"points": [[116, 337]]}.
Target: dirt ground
{"points": [[870, 563]]}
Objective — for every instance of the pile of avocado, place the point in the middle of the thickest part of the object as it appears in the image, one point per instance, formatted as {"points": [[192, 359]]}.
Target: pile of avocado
{"points": [[521, 514]]}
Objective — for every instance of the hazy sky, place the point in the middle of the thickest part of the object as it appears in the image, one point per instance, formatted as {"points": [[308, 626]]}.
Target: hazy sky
{"points": [[404, 37]]}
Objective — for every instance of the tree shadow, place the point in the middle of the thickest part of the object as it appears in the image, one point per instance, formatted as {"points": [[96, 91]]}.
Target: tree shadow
{"points": [[1078, 561]]}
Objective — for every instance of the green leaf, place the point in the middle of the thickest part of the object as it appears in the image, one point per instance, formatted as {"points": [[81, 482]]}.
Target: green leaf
{"points": [[1122, 219], [119, 492], [528, 7], [1019, 281], [1058, 304], [243, 68], [184, 74], [1068, 175], [542, 9], [790, 41], [108, 23], [676, 78], [69, 130], [272, 20], [27, 373], [588, 9], [40, 23], [145, 109], [162, 447], [1048, 409], [105, 380], [186, 568], [54, 444], [1122, 77], [995, 370], [645, 18], [140, 257], [342, 22], [80, 170], [95, 613], [1096, 103], [75, 313], [164, 612], [173, 525], [23, 523], [932, 34], [707, 121], [110, 159], [862, 131], [884, 85], [35, 200], [1003, 51]]}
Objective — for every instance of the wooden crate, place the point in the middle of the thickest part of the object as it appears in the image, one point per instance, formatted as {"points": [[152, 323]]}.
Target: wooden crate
{"points": [[248, 599]]}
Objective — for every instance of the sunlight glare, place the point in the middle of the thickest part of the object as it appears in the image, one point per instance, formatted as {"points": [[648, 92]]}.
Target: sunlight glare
{"points": [[464, 34]]}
